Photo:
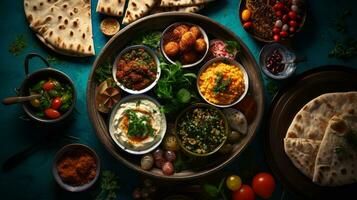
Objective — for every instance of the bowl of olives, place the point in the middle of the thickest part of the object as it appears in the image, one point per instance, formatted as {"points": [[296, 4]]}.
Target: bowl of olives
{"points": [[185, 43]]}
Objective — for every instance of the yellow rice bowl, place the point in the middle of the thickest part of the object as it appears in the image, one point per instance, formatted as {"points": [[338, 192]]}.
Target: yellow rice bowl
{"points": [[207, 83]]}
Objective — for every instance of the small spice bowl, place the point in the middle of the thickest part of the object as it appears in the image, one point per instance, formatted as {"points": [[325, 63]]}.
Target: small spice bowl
{"points": [[276, 57], [75, 151], [109, 26]]}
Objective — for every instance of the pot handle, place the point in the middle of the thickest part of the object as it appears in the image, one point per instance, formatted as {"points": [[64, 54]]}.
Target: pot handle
{"points": [[28, 58]]}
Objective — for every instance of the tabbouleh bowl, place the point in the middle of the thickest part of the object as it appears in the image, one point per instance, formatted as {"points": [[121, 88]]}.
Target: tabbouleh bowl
{"points": [[201, 130]]}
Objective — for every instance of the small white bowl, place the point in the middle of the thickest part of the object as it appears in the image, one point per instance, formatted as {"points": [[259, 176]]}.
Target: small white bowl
{"points": [[122, 144], [231, 62], [205, 37], [156, 59]]}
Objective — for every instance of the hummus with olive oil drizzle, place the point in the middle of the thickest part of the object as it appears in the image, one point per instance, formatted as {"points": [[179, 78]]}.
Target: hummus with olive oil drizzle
{"points": [[138, 124]]}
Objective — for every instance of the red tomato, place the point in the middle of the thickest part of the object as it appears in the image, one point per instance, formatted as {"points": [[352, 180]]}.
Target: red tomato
{"points": [[263, 185], [284, 34], [292, 15], [49, 85], [276, 30], [278, 6], [52, 113], [244, 193], [247, 25], [56, 103], [276, 38]]}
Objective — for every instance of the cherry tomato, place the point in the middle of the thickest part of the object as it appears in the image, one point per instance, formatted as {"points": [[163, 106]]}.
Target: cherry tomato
{"points": [[52, 113], [292, 15], [247, 25], [278, 6], [233, 182], [49, 85], [276, 30], [293, 23], [244, 193], [284, 34], [263, 185], [56, 103], [276, 38]]}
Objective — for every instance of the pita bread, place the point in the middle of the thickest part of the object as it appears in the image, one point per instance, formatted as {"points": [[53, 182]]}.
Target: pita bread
{"points": [[175, 3], [302, 152], [111, 7], [188, 9], [64, 26], [311, 121], [336, 162], [137, 9]]}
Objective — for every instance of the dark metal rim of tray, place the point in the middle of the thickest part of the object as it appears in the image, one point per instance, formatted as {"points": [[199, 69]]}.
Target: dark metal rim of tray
{"points": [[341, 79], [154, 22]]}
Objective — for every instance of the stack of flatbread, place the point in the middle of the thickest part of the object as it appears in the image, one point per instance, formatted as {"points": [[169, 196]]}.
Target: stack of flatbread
{"points": [[137, 9], [318, 141], [62, 25]]}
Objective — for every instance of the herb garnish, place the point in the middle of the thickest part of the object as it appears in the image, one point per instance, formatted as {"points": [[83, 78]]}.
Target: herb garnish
{"points": [[53, 60], [345, 47], [138, 126], [109, 186], [173, 87], [18, 45], [221, 85], [215, 191], [232, 46], [103, 72], [152, 40]]}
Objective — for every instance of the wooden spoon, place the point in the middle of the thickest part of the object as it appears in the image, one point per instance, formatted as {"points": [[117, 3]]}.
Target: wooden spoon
{"points": [[12, 100]]}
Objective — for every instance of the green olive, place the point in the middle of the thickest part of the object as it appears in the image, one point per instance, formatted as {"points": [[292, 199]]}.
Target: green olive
{"points": [[234, 136], [53, 93], [170, 143], [35, 103]]}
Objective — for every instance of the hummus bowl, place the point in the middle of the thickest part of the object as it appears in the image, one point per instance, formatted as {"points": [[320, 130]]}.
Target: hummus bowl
{"points": [[137, 125]]}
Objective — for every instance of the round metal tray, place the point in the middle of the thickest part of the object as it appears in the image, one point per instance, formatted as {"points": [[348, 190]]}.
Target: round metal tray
{"points": [[160, 22]]}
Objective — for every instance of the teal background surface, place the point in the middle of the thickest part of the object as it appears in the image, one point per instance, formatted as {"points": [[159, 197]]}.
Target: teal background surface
{"points": [[33, 179]]}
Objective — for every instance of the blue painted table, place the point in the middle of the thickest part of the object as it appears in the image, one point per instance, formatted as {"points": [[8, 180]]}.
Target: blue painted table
{"points": [[33, 179]]}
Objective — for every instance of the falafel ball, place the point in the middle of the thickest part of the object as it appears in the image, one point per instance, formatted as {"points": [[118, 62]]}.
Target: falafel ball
{"points": [[189, 57], [180, 30], [200, 45], [196, 31], [171, 49], [187, 41]]}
